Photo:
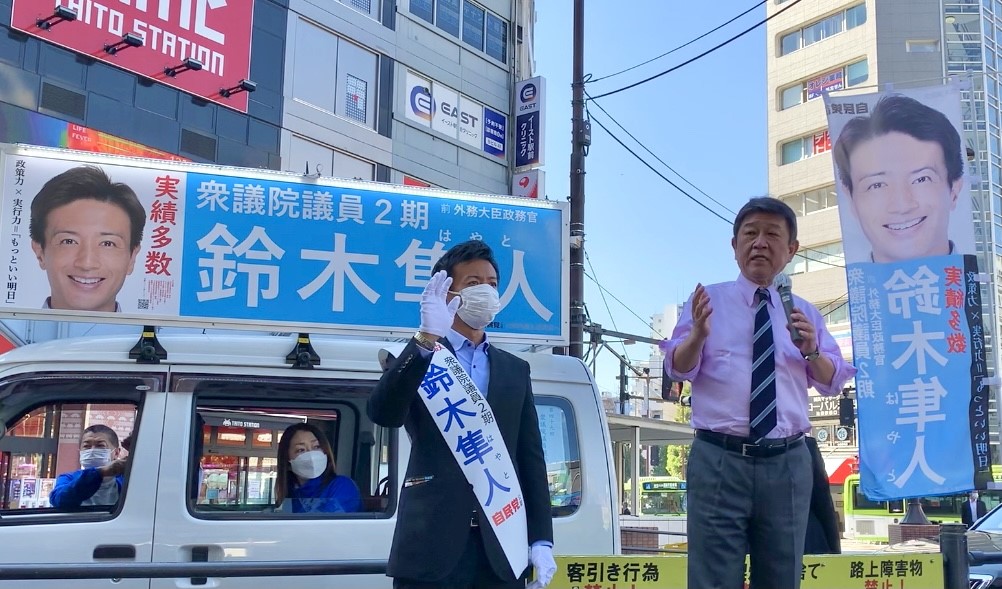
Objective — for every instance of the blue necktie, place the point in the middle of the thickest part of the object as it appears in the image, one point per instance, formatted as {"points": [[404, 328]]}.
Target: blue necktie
{"points": [[762, 412]]}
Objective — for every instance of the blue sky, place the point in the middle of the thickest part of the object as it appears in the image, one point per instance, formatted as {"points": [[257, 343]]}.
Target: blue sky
{"points": [[647, 243]]}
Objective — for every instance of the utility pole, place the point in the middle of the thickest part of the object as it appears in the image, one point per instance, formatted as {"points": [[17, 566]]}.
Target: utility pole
{"points": [[580, 139], [647, 392]]}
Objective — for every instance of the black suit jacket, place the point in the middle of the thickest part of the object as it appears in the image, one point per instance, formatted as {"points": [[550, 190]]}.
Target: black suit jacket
{"points": [[965, 512], [433, 519], [823, 535]]}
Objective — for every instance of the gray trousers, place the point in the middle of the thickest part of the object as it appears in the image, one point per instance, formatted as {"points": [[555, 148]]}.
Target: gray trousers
{"points": [[739, 506]]}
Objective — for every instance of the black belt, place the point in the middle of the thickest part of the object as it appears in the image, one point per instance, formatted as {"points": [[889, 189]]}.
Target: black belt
{"points": [[747, 446]]}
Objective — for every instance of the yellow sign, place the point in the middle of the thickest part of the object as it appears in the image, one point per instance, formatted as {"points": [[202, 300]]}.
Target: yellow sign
{"points": [[844, 571]]}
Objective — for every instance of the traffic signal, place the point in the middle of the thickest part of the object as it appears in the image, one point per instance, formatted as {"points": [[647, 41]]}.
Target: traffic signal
{"points": [[846, 411], [655, 455], [670, 390]]}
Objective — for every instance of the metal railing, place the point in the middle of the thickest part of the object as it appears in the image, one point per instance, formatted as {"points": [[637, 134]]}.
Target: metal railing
{"points": [[135, 570]]}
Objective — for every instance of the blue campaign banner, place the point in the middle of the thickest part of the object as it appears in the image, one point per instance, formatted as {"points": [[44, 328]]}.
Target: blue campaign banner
{"points": [[254, 249], [917, 340]]}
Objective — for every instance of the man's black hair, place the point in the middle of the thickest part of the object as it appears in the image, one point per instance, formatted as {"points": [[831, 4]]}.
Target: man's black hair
{"points": [[86, 182], [900, 114], [465, 252], [103, 430], [769, 206]]}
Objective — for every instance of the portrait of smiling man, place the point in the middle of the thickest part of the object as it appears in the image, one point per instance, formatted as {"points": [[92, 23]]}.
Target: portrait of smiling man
{"points": [[85, 233], [903, 171]]}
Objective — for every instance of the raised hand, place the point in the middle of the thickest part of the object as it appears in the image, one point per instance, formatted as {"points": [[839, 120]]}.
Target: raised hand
{"points": [[701, 311], [436, 314]]}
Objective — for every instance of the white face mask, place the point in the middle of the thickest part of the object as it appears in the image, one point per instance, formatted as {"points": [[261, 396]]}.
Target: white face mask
{"points": [[95, 457], [309, 465], [480, 304]]}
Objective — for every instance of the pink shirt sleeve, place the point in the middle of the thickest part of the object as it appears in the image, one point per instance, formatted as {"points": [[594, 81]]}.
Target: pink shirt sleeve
{"points": [[678, 335], [828, 348]]}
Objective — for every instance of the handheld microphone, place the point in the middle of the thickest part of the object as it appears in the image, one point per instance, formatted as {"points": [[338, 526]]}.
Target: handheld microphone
{"points": [[782, 284]]}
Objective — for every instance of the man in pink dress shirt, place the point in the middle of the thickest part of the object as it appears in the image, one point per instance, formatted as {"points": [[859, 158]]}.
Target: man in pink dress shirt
{"points": [[750, 494]]}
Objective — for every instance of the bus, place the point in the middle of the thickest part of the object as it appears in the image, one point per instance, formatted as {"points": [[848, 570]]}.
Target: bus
{"points": [[659, 495], [867, 520]]}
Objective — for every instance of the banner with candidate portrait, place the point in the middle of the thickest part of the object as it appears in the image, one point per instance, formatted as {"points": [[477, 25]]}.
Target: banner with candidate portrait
{"points": [[128, 240], [914, 293]]}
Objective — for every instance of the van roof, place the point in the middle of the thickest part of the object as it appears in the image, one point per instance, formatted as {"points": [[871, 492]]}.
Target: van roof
{"points": [[336, 353]]}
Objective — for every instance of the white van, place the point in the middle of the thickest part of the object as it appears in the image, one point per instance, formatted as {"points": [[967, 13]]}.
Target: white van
{"points": [[204, 426]]}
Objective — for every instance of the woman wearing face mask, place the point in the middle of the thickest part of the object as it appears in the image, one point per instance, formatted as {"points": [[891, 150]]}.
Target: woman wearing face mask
{"points": [[100, 478], [306, 476]]}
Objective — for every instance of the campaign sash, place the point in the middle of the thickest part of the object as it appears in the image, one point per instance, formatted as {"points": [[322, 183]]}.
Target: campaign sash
{"points": [[466, 422]]}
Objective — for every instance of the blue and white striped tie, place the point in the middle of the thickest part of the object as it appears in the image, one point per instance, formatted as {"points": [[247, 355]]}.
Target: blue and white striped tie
{"points": [[762, 413]]}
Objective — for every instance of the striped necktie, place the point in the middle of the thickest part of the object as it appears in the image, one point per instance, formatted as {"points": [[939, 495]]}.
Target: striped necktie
{"points": [[762, 413]]}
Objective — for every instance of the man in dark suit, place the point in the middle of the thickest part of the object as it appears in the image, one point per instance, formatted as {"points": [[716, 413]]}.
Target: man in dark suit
{"points": [[442, 537], [973, 509]]}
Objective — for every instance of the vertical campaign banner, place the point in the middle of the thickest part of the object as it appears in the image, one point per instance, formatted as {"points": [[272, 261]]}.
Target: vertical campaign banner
{"points": [[129, 240], [914, 296]]}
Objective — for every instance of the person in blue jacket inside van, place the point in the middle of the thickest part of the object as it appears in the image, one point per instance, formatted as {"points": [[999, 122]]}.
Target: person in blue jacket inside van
{"points": [[306, 476], [100, 480]]}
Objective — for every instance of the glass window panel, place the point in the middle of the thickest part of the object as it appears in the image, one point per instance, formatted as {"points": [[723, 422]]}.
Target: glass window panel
{"points": [[793, 96], [793, 151], [423, 9], [840, 314], [473, 25], [831, 198], [799, 264], [313, 80], [812, 203], [834, 24], [790, 43], [497, 38], [562, 453], [857, 73], [855, 16], [796, 202], [356, 95], [448, 16], [814, 33], [364, 6], [46, 444]]}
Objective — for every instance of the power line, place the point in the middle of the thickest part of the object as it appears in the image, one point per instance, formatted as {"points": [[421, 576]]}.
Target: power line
{"points": [[655, 156], [662, 176], [687, 181], [625, 306], [844, 303], [680, 189], [607, 309], [703, 54], [669, 52]]}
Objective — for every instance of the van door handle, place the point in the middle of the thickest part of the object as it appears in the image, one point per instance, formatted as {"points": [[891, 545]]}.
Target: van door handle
{"points": [[199, 554], [115, 551]]}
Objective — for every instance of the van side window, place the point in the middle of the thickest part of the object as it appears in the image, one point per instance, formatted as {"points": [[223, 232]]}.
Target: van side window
{"points": [[285, 448], [561, 451], [52, 458]]}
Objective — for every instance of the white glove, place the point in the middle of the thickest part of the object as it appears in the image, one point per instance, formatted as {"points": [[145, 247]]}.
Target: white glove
{"points": [[541, 557], [437, 315]]}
